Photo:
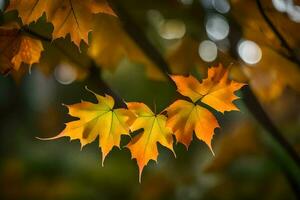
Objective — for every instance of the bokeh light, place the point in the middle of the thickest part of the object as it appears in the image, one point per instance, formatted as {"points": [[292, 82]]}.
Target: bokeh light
{"points": [[289, 7], [172, 29], [294, 12], [217, 27], [249, 52], [65, 74], [222, 6], [280, 5], [208, 50]]}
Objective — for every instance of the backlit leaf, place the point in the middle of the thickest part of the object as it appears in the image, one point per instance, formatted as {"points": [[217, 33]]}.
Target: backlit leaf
{"points": [[185, 117], [143, 147], [67, 16], [17, 48], [99, 119], [216, 90]]}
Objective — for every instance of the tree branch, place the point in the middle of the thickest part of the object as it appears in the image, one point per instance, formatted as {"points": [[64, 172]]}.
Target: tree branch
{"points": [[137, 34], [95, 71], [258, 112], [293, 56], [35, 35]]}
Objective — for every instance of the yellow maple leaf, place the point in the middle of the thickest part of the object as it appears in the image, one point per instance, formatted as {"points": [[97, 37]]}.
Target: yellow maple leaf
{"points": [[143, 147], [95, 120], [28, 10], [16, 48], [67, 16], [185, 117]]}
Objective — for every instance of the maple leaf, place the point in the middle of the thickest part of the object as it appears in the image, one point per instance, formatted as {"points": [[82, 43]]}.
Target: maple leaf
{"points": [[67, 16], [17, 48], [143, 147], [216, 90], [185, 117], [28, 10], [95, 120]]}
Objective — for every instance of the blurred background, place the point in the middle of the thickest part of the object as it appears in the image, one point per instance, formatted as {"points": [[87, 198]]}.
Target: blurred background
{"points": [[258, 39]]}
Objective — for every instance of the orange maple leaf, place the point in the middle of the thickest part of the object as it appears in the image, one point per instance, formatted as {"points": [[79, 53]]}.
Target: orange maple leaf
{"points": [[216, 90], [185, 117], [17, 48], [67, 16], [143, 147], [95, 120]]}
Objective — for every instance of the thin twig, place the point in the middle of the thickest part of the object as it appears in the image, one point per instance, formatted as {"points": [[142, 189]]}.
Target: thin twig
{"points": [[293, 56], [36, 35], [94, 69]]}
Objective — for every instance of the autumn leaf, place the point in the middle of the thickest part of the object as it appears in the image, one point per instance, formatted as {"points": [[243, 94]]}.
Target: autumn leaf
{"points": [[185, 117], [17, 48], [216, 90], [67, 16], [143, 147], [95, 120], [28, 10]]}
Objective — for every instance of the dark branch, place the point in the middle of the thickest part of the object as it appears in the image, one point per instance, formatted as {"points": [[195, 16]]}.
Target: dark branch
{"points": [[36, 35], [293, 56], [95, 78], [258, 112], [136, 33]]}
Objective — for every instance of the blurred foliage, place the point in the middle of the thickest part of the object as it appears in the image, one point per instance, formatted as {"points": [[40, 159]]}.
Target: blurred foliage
{"points": [[244, 166]]}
